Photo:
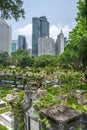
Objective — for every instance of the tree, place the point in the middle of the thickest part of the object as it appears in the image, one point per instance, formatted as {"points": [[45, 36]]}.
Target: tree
{"points": [[82, 30], [11, 8], [21, 58], [4, 58], [76, 51], [45, 60]]}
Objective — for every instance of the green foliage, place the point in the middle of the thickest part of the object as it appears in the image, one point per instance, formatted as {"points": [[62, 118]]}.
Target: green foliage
{"points": [[5, 109], [76, 52], [70, 80], [4, 57], [21, 58], [79, 127], [11, 8], [45, 60], [71, 99], [49, 99], [45, 122], [3, 127], [4, 90], [18, 112], [46, 101]]}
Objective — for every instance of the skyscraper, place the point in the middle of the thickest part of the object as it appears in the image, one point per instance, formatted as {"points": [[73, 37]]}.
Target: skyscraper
{"points": [[65, 42], [40, 29], [5, 36], [46, 46], [59, 46], [22, 42]]}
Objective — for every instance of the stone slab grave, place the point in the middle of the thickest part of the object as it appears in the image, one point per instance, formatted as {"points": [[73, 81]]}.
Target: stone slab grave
{"points": [[62, 117], [2, 103]]}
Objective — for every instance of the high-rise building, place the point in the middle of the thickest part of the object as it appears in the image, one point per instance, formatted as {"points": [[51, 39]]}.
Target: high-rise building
{"points": [[5, 36], [46, 46], [40, 29], [30, 51], [59, 46], [14, 45], [65, 42], [22, 42]]}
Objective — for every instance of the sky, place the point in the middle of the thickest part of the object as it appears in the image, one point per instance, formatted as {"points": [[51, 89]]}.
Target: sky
{"points": [[60, 14]]}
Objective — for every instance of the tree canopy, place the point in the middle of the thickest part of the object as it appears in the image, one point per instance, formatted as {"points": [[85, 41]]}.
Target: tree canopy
{"points": [[11, 8], [76, 51], [4, 57]]}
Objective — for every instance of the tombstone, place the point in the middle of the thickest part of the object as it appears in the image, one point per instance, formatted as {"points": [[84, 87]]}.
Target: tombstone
{"points": [[62, 117], [83, 121], [31, 119]]}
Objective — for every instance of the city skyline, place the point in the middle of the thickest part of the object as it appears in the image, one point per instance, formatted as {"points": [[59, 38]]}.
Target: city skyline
{"points": [[60, 14]]}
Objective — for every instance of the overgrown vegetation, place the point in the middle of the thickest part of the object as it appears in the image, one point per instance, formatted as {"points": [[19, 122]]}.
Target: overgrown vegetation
{"points": [[18, 112], [4, 90], [3, 127], [76, 52], [66, 93]]}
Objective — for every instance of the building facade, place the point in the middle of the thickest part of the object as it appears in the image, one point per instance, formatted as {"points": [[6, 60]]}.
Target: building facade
{"points": [[40, 28], [59, 46], [46, 46], [5, 36], [30, 51], [14, 45], [65, 42], [22, 42]]}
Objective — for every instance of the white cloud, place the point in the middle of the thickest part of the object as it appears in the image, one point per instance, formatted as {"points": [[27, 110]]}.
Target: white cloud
{"points": [[27, 30], [55, 30], [66, 29]]}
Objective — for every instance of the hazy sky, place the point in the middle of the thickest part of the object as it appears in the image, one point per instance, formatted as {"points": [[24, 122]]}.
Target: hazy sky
{"points": [[60, 14]]}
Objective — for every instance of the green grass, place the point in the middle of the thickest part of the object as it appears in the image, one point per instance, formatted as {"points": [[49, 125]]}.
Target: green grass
{"points": [[4, 90], [5, 109]]}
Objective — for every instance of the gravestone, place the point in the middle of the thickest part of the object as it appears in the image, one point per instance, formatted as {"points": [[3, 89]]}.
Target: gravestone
{"points": [[62, 117]]}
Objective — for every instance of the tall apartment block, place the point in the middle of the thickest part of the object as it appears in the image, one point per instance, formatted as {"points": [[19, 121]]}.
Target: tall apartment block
{"points": [[40, 28], [46, 46], [5, 36], [22, 42], [59, 46]]}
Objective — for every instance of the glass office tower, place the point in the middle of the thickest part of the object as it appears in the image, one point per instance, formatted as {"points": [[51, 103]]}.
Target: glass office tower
{"points": [[40, 28], [22, 42]]}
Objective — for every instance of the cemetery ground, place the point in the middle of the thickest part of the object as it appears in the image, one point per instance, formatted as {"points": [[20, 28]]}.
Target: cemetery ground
{"points": [[7, 93], [63, 86]]}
